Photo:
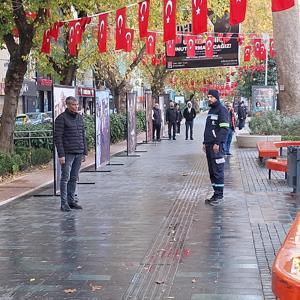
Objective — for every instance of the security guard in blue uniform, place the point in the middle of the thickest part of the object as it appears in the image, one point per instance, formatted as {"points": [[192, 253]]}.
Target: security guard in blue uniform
{"points": [[215, 135]]}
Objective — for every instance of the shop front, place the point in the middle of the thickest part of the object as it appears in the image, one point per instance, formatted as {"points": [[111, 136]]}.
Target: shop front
{"points": [[44, 87], [29, 97], [86, 97]]}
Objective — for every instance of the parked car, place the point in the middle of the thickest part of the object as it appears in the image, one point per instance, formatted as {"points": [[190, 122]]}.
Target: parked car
{"points": [[40, 118], [22, 119]]}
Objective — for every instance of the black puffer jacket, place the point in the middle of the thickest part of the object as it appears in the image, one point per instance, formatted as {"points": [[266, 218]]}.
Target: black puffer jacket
{"points": [[69, 134]]}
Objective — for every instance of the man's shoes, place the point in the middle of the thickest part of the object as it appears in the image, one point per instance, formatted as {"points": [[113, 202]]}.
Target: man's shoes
{"points": [[75, 206], [65, 207], [174, 138], [228, 153], [216, 201], [158, 140], [208, 200], [191, 139], [186, 138]]}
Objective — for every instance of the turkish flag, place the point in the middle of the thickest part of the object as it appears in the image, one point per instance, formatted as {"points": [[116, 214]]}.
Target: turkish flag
{"points": [[247, 53], [190, 46], [199, 16], [263, 52], [272, 49], [76, 29], [46, 42], [170, 46], [237, 11], [227, 37], [150, 43], [241, 39], [257, 44], [209, 47], [169, 20], [278, 5], [54, 30], [129, 35], [102, 33], [120, 28], [144, 9]]}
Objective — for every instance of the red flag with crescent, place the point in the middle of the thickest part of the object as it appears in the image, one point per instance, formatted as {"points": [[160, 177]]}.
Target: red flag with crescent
{"points": [[263, 52], [46, 42], [129, 35], [190, 46], [169, 20], [54, 30], [247, 53], [237, 11], [170, 46], [144, 9], [150, 43], [199, 16], [102, 33], [257, 44], [120, 28], [209, 47], [272, 49], [278, 5]]}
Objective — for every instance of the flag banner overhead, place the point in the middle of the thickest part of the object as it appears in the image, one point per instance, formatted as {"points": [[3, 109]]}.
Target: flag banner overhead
{"points": [[237, 11], [143, 15], [199, 16], [279, 5]]}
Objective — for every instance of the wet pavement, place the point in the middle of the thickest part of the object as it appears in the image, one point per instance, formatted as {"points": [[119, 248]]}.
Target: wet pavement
{"points": [[145, 232]]}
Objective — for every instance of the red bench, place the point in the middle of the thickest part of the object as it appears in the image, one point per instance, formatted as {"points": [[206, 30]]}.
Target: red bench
{"points": [[277, 165], [285, 270], [285, 144], [266, 149]]}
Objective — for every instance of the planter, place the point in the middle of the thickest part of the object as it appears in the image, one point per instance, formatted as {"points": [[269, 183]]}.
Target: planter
{"points": [[249, 141]]}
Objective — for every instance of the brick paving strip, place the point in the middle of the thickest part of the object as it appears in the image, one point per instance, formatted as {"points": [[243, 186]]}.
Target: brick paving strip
{"points": [[155, 276]]}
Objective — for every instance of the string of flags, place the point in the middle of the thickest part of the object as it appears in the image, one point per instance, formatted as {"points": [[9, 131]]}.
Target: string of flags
{"points": [[124, 36]]}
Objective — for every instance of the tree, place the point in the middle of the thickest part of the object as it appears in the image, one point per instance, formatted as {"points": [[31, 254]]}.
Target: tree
{"points": [[12, 15]]}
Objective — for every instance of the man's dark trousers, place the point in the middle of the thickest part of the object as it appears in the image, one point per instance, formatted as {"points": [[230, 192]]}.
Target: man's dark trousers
{"points": [[216, 163], [170, 125], [156, 129], [189, 125]]}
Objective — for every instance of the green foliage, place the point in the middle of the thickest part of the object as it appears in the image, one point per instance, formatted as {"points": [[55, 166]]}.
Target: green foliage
{"points": [[117, 127], [40, 136], [140, 121], [40, 156], [89, 124], [273, 122], [9, 163], [250, 78]]}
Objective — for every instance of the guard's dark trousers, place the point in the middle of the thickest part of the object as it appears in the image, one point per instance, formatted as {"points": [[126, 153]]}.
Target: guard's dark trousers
{"points": [[216, 163]]}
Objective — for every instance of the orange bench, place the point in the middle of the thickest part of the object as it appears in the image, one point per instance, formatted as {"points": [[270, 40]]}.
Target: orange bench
{"points": [[285, 144], [277, 165], [286, 267], [266, 149]]}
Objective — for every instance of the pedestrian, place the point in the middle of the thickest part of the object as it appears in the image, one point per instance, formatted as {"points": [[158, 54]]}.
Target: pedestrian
{"points": [[242, 115], [189, 114], [171, 119], [156, 121], [179, 118], [231, 129], [70, 142], [215, 134]]}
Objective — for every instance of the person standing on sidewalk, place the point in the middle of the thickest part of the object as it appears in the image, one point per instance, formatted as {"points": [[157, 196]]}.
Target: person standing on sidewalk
{"points": [[171, 119], [215, 134], [156, 121], [179, 118], [189, 114], [71, 145], [231, 129], [242, 115]]}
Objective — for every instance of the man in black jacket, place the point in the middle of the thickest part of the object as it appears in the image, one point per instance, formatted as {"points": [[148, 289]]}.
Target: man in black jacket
{"points": [[156, 120], [171, 119], [215, 135], [189, 114], [71, 146]]}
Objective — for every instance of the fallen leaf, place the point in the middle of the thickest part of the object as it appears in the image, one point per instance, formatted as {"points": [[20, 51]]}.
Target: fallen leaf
{"points": [[70, 291], [159, 282], [95, 287], [79, 267], [184, 174], [32, 279], [194, 280]]}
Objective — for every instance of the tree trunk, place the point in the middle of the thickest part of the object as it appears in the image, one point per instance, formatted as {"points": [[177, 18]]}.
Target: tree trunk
{"points": [[68, 74], [13, 84], [286, 27]]}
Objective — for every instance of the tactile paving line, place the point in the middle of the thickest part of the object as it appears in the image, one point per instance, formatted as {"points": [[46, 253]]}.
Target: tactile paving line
{"points": [[153, 279]]}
